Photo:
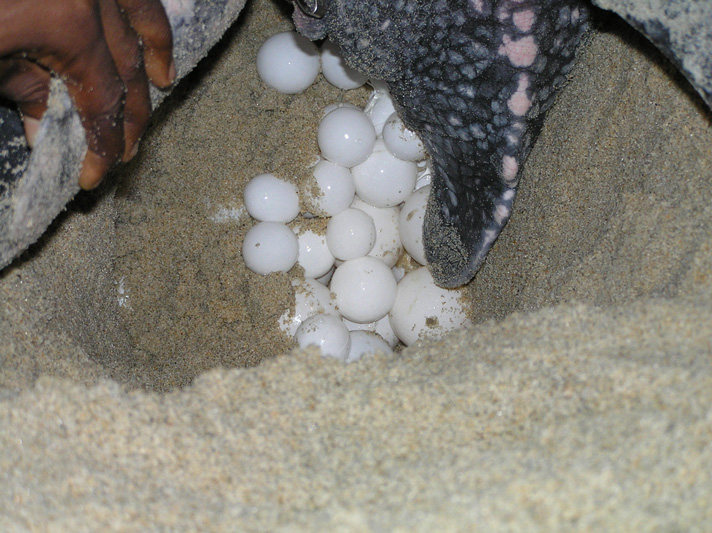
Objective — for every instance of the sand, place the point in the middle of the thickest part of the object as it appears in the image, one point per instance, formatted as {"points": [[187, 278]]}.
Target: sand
{"points": [[144, 384]]}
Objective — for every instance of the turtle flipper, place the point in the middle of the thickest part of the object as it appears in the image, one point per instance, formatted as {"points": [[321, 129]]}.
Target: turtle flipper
{"points": [[459, 230], [474, 79], [477, 96]]}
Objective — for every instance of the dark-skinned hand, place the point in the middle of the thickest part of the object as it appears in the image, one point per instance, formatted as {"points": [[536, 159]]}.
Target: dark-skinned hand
{"points": [[96, 47]]}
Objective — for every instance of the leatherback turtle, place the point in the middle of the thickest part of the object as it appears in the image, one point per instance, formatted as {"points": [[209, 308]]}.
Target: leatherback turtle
{"points": [[474, 78]]}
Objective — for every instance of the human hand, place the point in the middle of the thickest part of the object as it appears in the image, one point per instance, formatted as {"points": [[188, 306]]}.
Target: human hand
{"points": [[95, 47]]}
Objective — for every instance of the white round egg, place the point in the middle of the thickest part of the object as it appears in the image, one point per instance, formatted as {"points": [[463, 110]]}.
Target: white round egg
{"points": [[310, 298], [366, 343], [350, 234], [424, 310], [388, 247], [314, 255], [383, 180], [346, 136], [364, 289], [402, 142], [288, 62], [382, 327], [379, 108], [328, 109], [326, 278], [270, 247], [335, 69], [410, 223], [425, 174], [328, 333], [331, 191], [270, 199]]}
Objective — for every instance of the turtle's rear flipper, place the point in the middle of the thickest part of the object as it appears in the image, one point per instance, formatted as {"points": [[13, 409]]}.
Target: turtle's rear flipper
{"points": [[460, 227]]}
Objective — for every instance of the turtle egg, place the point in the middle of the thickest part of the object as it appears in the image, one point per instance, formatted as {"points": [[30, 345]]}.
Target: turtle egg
{"points": [[334, 190], [270, 199], [350, 234], [364, 289], [270, 247], [366, 343], [402, 142], [425, 174], [328, 109], [346, 136], [328, 333], [383, 180], [326, 278], [379, 109], [314, 255], [310, 298], [388, 247], [288, 62], [422, 309], [335, 69], [410, 223], [382, 327]]}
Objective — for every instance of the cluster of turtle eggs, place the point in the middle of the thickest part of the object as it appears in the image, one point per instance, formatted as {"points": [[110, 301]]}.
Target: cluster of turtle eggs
{"points": [[373, 182]]}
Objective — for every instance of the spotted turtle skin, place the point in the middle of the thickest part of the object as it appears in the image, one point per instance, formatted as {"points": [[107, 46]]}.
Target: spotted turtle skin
{"points": [[474, 78]]}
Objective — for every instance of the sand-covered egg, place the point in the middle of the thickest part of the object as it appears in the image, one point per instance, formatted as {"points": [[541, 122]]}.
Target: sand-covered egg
{"points": [[381, 326], [270, 247], [270, 199], [410, 223], [364, 343], [288, 62], [310, 298], [422, 309], [330, 190], [326, 332]]}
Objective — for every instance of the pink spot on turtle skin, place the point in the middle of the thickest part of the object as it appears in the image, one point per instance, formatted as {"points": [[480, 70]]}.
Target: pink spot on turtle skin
{"points": [[510, 167], [516, 133], [519, 103], [524, 20], [478, 5], [501, 214], [520, 52]]}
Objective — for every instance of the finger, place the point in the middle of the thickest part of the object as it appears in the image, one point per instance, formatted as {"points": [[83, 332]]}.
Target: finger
{"points": [[149, 20], [27, 84], [94, 168], [125, 48], [82, 59], [98, 93]]}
